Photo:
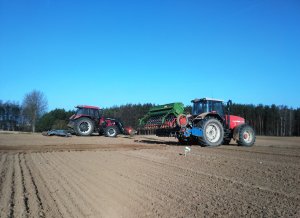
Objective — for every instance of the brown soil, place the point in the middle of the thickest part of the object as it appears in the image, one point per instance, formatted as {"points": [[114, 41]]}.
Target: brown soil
{"points": [[146, 176]]}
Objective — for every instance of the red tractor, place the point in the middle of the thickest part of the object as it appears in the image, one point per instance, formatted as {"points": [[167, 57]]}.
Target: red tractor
{"points": [[211, 124], [89, 119]]}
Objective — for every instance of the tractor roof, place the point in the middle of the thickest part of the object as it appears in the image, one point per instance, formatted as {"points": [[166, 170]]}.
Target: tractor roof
{"points": [[206, 99], [87, 106]]}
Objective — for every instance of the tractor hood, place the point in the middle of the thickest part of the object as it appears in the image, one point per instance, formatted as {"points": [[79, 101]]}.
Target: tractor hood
{"points": [[235, 121]]}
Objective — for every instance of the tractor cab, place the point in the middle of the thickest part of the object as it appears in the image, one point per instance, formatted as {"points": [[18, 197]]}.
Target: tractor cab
{"points": [[206, 105], [90, 111]]}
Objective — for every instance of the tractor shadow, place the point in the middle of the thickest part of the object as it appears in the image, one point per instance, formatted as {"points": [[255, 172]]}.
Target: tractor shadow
{"points": [[157, 142], [172, 143]]}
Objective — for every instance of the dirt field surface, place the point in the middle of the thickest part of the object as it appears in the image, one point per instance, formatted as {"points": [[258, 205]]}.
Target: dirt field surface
{"points": [[146, 176]]}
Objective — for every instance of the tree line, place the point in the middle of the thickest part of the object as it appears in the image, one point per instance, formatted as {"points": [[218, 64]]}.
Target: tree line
{"points": [[24, 117], [29, 116], [270, 120]]}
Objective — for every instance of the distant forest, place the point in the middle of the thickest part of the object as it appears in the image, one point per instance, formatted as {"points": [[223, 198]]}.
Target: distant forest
{"points": [[267, 120]]}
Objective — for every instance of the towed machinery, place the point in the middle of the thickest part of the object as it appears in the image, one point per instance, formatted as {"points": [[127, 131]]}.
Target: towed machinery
{"points": [[89, 119], [210, 123], [161, 119]]}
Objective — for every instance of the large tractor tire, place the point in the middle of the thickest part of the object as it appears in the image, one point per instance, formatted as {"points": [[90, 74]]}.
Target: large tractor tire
{"points": [[84, 126], [246, 136], [111, 131], [213, 132]]}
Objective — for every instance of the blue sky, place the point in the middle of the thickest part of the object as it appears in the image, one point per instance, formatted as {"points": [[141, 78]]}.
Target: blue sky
{"points": [[107, 53]]}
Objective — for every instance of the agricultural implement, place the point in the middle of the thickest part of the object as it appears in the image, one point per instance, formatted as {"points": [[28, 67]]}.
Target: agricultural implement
{"points": [[161, 119], [89, 119], [210, 123]]}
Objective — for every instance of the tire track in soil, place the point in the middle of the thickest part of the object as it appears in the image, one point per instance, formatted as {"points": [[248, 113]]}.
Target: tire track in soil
{"points": [[238, 154], [3, 168], [224, 178], [65, 164], [59, 189], [237, 186], [159, 193], [149, 186], [25, 193], [115, 179], [75, 192], [85, 178], [94, 182], [21, 194], [166, 187], [263, 151], [141, 189], [5, 192], [263, 171], [34, 203], [81, 200], [50, 204], [148, 183], [12, 191], [112, 186], [287, 179]]}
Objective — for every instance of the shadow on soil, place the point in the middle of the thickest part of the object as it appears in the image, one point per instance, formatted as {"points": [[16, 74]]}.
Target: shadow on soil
{"points": [[148, 141]]}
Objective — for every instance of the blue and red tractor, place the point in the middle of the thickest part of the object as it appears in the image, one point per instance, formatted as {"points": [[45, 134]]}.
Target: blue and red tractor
{"points": [[210, 123], [89, 119]]}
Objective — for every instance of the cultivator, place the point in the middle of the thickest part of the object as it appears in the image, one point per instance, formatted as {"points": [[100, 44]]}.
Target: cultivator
{"points": [[161, 119]]}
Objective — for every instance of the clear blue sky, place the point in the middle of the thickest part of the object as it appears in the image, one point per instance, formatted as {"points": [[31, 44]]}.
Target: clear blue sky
{"points": [[111, 52]]}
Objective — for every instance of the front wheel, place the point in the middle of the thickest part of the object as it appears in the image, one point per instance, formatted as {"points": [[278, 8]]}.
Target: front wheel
{"points": [[111, 131], [246, 136], [213, 132]]}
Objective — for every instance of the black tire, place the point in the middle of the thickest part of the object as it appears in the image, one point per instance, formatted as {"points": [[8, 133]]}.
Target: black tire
{"points": [[246, 136], [84, 126], [213, 132], [111, 131]]}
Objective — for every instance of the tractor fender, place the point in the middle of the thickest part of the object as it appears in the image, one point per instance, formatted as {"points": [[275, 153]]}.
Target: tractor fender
{"points": [[78, 116], [203, 115]]}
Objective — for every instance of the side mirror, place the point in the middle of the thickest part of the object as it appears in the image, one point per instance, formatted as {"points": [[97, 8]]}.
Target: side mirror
{"points": [[229, 103]]}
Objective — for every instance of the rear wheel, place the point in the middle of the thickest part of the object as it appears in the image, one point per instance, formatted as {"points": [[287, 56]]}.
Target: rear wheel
{"points": [[84, 126], [111, 131], [213, 132], [246, 136]]}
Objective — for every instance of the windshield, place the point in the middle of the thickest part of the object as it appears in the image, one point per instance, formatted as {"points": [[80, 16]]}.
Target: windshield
{"points": [[90, 112], [207, 106], [199, 108], [82, 111]]}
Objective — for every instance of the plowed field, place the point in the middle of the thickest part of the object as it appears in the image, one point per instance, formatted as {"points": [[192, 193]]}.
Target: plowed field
{"points": [[146, 177]]}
